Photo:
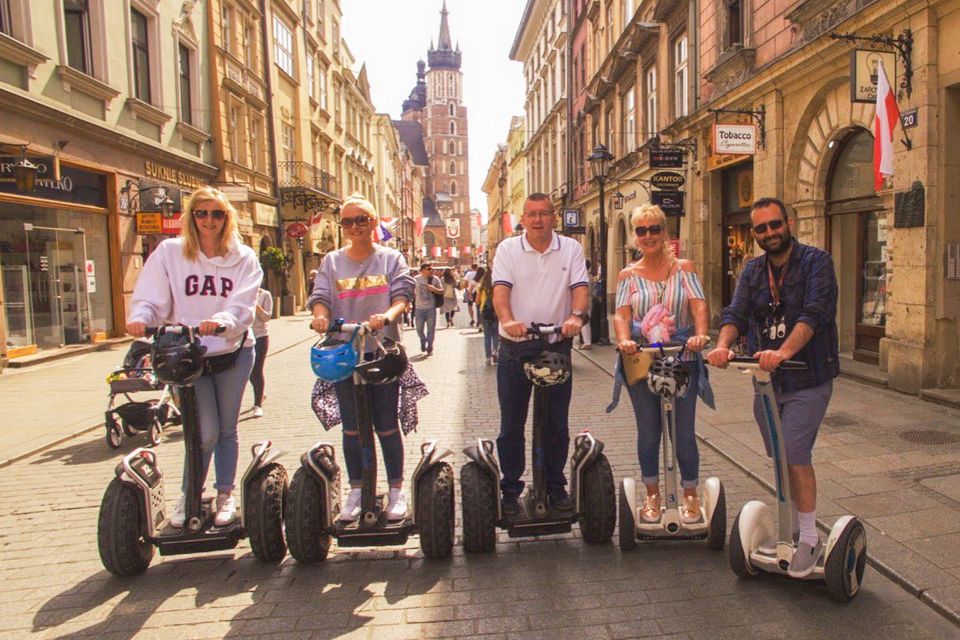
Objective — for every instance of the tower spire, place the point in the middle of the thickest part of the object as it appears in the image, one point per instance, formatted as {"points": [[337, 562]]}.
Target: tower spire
{"points": [[444, 43]]}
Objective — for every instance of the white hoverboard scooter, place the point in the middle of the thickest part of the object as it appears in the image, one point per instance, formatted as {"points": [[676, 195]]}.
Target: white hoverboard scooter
{"points": [[712, 524], [757, 544]]}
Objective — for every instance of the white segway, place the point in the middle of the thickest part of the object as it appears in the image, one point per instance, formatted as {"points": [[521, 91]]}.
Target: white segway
{"points": [[712, 524], [758, 544]]}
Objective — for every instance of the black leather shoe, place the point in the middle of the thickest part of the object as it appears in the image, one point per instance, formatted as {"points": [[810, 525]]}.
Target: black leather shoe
{"points": [[510, 505], [560, 500]]}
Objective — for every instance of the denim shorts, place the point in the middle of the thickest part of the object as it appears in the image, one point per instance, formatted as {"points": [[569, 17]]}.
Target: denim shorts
{"points": [[801, 413]]}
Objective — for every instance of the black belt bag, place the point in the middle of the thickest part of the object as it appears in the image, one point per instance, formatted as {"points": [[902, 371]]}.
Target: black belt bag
{"points": [[218, 364]]}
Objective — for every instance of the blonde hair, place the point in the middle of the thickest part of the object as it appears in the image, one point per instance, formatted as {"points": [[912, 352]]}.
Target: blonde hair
{"points": [[188, 231], [359, 201], [656, 215]]}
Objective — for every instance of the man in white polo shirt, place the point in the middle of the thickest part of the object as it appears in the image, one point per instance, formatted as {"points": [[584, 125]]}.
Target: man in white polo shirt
{"points": [[538, 277]]}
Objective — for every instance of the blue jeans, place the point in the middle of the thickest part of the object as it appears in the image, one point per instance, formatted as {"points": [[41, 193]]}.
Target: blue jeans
{"points": [[218, 411], [513, 390], [383, 407], [646, 409], [491, 336], [426, 317]]}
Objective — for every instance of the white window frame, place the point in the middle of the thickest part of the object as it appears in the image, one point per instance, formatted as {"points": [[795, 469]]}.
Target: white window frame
{"points": [[97, 55], [257, 134], [228, 22], [284, 51], [323, 89], [249, 44], [194, 88], [311, 76], [650, 84], [149, 11], [18, 21], [681, 90], [628, 112]]}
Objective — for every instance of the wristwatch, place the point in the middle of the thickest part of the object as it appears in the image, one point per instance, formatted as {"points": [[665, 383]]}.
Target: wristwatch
{"points": [[583, 315]]}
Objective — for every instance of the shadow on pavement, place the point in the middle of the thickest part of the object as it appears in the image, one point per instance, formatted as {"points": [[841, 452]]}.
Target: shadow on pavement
{"points": [[97, 450]]}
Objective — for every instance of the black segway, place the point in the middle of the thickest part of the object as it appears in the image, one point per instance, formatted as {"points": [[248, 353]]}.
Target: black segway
{"points": [[758, 544], [133, 518], [313, 510], [591, 484], [712, 525]]}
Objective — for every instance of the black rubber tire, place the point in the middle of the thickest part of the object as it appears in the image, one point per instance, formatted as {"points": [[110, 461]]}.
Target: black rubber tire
{"points": [[123, 550], [114, 434], [598, 512], [435, 511], [838, 568], [155, 433], [628, 523], [738, 562], [127, 429], [263, 513], [717, 531], [306, 538], [478, 496]]}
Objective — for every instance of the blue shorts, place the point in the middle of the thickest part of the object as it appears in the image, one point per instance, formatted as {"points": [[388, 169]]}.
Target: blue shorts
{"points": [[801, 413]]}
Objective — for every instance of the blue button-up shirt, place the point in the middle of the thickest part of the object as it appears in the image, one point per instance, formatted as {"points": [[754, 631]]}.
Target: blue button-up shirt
{"points": [[808, 295]]}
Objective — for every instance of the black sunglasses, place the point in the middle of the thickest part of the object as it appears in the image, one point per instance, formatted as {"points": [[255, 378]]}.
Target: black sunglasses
{"points": [[773, 224], [360, 221], [653, 230], [218, 214]]}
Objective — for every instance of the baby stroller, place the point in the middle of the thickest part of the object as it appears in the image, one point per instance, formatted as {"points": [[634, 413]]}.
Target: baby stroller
{"points": [[136, 376]]}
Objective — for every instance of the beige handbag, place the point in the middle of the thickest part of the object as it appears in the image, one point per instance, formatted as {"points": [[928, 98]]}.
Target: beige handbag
{"points": [[635, 367]]}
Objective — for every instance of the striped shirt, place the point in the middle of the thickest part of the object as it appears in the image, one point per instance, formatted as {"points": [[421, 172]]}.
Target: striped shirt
{"points": [[674, 293]]}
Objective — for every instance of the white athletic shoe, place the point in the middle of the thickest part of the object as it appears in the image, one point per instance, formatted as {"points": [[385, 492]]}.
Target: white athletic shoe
{"points": [[226, 510], [351, 510], [257, 411], [179, 514], [397, 505]]}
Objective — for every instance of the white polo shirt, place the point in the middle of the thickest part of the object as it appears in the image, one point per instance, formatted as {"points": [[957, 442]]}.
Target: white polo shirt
{"points": [[540, 283]]}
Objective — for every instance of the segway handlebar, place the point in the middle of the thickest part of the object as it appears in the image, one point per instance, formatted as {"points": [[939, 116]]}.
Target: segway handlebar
{"points": [[150, 332], [342, 326], [544, 330], [748, 362]]}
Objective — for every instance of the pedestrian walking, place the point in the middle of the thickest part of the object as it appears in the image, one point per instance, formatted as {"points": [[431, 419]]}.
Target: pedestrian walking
{"points": [[488, 316], [262, 315], [366, 282], [785, 304], [470, 280], [425, 306], [586, 334], [207, 278], [661, 287], [450, 304], [538, 277]]}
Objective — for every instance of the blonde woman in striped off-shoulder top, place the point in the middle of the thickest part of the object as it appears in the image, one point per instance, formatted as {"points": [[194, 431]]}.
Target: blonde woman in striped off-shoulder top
{"points": [[660, 278]]}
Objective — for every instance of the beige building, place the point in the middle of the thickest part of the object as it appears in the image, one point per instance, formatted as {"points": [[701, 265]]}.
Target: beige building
{"points": [[387, 173], [497, 186], [517, 165]]}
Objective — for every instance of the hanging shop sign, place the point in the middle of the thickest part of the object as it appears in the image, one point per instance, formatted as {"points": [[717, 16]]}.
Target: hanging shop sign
{"points": [[669, 180], [155, 223], [151, 195], [297, 230], [666, 158], [864, 70], [75, 185], [738, 139], [670, 201]]}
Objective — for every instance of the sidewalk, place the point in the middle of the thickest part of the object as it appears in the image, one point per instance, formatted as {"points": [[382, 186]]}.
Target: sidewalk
{"points": [[75, 394], [891, 459]]}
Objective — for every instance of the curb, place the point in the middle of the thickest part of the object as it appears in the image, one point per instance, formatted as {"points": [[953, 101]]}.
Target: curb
{"points": [[879, 565]]}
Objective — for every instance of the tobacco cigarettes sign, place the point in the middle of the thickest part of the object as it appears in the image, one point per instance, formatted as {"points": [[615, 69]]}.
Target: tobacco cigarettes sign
{"points": [[735, 139]]}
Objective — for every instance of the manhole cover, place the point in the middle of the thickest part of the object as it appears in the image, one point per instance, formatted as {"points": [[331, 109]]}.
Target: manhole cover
{"points": [[929, 436]]}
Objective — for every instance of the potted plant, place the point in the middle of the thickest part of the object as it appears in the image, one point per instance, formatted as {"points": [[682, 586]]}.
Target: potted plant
{"points": [[275, 260]]}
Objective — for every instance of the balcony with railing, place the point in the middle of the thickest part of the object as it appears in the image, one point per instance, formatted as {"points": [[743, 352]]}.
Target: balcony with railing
{"points": [[305, 185]]}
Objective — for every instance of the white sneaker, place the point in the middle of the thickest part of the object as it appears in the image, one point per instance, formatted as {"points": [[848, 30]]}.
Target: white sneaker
{"points": [[179, 514], [226, 510], [397, 505], [351, 510], [257, 411]]}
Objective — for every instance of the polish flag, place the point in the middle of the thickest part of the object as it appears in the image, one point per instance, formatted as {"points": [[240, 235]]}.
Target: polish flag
{"points": [[884, 122], [507, 224], [436, 252]]}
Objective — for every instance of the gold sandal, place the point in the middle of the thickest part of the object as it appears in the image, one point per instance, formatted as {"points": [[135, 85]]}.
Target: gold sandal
{"points": [[690, 511], [651, 508]]}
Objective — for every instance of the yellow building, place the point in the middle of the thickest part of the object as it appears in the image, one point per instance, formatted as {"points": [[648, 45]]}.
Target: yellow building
{"points": [[517, 165], [496, 184]]}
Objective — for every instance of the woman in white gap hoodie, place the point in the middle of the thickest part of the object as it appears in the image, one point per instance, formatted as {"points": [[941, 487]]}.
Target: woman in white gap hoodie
{"points": [[208, 278]]}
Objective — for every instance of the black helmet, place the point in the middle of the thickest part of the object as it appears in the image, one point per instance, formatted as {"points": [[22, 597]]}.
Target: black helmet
{"points": [[177, 356], [548, 368], [668, 378], [387, 365]]}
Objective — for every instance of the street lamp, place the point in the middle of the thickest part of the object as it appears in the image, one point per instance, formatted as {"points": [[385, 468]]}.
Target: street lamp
{"points": [[25, 173], [600, 160]]}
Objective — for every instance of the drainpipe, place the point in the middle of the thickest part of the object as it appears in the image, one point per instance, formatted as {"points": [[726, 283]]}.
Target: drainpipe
{"points": [[270, 133], [570, 98], [216, 125]]}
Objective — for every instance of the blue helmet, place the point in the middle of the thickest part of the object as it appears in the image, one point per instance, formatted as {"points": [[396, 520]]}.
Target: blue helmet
{"points": [[333, 360]]}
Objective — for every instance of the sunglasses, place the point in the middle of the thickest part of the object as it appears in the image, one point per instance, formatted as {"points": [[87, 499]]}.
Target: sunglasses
{"points": [[653, 230], [773, 225], [360, 221], [201, 214]]}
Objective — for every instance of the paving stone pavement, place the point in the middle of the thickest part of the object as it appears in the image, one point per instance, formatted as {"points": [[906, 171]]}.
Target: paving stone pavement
{"points": [[52, 584]]}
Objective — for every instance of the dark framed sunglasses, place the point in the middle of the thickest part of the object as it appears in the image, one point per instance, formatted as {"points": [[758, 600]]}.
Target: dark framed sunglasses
{"points": [[360, 221], [774, 225], [653, 230], [201, 214]]}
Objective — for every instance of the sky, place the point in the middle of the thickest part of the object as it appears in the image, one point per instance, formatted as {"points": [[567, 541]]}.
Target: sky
{"points": [[391, 35]]}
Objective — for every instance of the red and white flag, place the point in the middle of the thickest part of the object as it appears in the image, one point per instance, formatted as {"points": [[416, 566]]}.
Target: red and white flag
{"points": [[507, 224], [884, 122], [418, 227]]}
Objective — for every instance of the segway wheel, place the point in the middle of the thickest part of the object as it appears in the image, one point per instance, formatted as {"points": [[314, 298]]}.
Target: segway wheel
{"points": [[155, 432], [843, 571], [738, 561], [306, 537], [598, 513], [628, 522], [114, 434], [478, 495], [435, 511], [717, 531], [263, 513], [120, 526], [127, 429]]}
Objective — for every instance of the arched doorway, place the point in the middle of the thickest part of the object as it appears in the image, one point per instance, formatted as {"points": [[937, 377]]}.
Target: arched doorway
{"points": [[857, 240], [623, 249]]}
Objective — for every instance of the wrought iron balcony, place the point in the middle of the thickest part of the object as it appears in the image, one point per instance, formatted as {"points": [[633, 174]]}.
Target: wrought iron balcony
{"points": [[304, 185]]}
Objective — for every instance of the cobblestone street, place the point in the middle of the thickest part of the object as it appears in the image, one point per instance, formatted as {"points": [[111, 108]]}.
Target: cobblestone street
{"points": [[54, 586]]}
